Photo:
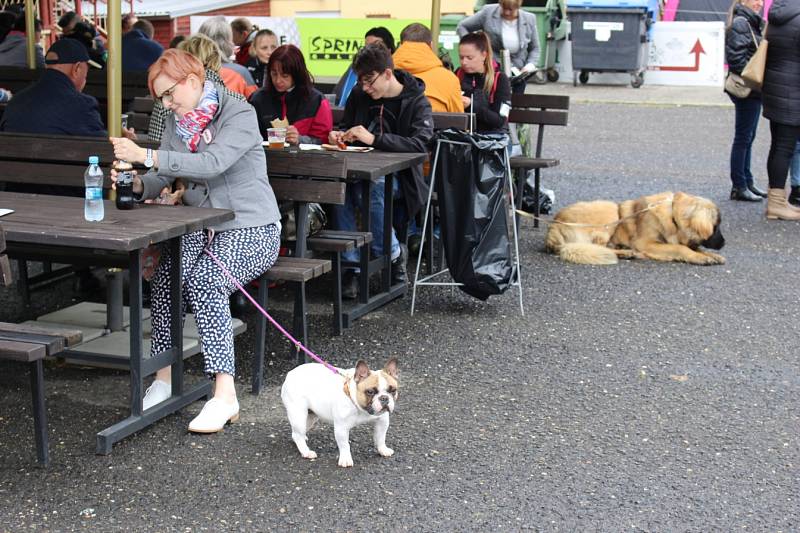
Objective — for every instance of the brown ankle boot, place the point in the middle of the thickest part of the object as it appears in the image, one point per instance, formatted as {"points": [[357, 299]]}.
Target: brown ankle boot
{"points": [[779, 208]]}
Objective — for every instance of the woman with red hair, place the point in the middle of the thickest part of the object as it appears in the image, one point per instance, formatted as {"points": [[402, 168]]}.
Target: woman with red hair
{"points": [[211, 143], [289, 94]]}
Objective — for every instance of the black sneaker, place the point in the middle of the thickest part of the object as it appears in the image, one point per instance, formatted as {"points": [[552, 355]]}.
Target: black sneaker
{"points": [[794, 197], [350, 285], [399, 266]]}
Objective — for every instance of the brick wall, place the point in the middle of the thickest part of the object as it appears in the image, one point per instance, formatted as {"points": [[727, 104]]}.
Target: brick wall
{"points": [[166, 29]]}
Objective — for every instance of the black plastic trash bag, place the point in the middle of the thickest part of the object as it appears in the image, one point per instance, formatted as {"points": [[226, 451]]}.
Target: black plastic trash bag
{"points": [[472, 211]]}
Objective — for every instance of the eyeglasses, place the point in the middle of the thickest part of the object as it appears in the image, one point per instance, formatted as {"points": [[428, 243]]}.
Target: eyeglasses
{"points": [[166, 96], [368, 84]]}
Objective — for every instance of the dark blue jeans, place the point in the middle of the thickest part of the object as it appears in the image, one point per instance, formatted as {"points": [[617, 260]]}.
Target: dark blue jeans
{"points": [[748, 111]]}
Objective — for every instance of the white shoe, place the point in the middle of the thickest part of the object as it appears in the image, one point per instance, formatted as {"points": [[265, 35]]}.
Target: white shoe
{"points": [[215, 414], [156, 393]]}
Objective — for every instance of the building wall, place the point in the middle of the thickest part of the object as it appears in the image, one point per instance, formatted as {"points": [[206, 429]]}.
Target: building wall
{"points": [[407, 9], [166, 29]]}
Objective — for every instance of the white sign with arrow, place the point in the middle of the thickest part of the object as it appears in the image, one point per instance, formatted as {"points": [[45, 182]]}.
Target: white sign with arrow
{"points": [[687, 53], [680, 53]]}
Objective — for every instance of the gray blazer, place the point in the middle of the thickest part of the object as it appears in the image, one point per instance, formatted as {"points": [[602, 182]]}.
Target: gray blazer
{"points": [[14, 52], [229, 172], [488, 19]]}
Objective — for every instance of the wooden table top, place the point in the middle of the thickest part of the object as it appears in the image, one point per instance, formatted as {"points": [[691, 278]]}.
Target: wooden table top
{"points": [[360, 165], [58, 221]]}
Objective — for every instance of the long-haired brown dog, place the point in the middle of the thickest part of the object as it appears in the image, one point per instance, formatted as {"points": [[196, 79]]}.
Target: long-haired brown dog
{"points": [[663, 227]]}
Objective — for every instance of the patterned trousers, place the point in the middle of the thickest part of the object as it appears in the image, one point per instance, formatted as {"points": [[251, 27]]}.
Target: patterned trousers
{"points": [[246, 253]]}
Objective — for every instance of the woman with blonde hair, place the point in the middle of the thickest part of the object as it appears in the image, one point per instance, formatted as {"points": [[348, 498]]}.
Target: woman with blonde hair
{"points": [[211, 142], [486, 90], [264, 43], [742, 35], [206, 50], [508, 28]]}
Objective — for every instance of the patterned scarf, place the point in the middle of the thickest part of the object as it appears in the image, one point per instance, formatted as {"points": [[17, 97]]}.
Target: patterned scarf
{"points": [[190, 128]]}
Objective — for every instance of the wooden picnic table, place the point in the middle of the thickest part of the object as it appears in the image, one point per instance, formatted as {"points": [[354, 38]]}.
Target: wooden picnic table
{"points": [[366, 166], [53, 228]]}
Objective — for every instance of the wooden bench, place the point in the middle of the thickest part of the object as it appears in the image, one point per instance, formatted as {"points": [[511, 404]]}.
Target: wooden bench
{"points": [[139, 114], [31, 344], [53, 160], [336, 243], [539, 110]]}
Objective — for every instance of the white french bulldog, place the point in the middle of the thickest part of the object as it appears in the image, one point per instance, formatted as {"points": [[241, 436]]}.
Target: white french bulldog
{"points": [[312, 391]]}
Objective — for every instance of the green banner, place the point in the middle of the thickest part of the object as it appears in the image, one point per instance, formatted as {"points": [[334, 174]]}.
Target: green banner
{"points": [[329, 45]]}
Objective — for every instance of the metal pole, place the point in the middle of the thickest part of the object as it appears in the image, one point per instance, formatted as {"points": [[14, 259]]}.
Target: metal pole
{"points": [[114, 67], [436, 14], [30, 33]]}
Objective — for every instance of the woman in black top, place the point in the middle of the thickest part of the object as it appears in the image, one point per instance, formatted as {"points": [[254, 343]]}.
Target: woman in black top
{"points": [[781, 95], [486, 90], [741, 40]]}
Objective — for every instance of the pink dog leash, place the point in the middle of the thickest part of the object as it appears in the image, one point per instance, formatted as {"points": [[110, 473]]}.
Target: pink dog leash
{"points": [[263, 312]]}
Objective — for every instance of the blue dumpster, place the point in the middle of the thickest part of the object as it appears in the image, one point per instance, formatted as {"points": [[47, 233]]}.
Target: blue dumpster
{"points": [[610, 36]]}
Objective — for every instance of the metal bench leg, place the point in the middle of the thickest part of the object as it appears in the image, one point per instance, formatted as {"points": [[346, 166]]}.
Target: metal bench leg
{"points": [[336, 260], [39, 412], [261, 336], [536, 191], [300, 322], [24, 288]]}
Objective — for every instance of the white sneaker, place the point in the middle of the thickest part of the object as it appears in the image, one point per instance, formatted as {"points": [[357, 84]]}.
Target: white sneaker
{"points": [[156, 393], [215, 414]]}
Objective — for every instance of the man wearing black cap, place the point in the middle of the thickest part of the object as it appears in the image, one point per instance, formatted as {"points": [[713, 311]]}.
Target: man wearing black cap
{"points": [[55, 104]]}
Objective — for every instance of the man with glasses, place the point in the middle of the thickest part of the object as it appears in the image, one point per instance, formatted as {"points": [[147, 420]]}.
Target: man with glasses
{"points": [[387, 110], [55, 104]]}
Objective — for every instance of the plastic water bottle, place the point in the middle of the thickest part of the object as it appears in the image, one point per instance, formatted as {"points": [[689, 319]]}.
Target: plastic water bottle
{"points": [[93, 203]]}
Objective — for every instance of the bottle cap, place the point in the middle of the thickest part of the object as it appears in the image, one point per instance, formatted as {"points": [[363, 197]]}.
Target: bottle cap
{"points": [[94, 160]]}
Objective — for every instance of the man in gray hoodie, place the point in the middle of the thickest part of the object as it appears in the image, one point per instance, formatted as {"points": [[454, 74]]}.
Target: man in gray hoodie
{"points": [[13, 49]]}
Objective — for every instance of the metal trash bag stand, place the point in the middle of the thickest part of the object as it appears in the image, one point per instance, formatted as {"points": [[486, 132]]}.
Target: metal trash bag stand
{"points": [[510, 212]]}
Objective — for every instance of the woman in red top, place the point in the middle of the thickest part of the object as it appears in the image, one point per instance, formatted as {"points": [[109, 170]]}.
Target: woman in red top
{"points": [[289, 94]]}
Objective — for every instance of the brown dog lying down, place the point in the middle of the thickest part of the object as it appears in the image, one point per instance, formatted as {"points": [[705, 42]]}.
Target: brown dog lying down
{"points": [[664, 227]]}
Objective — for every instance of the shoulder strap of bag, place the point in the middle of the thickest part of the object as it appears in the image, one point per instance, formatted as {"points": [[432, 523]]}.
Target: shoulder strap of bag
{"points": [[752, 33]]}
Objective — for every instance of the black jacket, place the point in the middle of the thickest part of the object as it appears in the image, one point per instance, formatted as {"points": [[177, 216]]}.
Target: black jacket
{"points": [[739, 45], [487, 106], [310, 115], [53, 105], [410, 131], [257, 69], [781, 90]]}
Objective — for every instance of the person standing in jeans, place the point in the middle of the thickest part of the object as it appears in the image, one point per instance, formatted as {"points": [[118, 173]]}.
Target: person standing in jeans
{"points": [[794, 177], [781, 96], [742, 36]]}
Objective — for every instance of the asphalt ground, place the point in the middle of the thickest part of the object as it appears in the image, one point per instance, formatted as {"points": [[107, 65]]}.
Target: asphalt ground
{"points": [[638, 397]]}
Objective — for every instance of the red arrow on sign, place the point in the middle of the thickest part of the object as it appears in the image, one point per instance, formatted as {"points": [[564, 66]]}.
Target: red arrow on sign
{"points": [[696, 50]]}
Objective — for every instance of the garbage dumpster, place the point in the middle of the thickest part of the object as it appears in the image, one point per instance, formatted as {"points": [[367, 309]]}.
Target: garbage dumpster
{"points": [[551, 26], [448, 38], [610, 36]]}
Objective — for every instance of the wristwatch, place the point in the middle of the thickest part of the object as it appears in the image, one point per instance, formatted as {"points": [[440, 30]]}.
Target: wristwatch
{"points": [[148, 159]]}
